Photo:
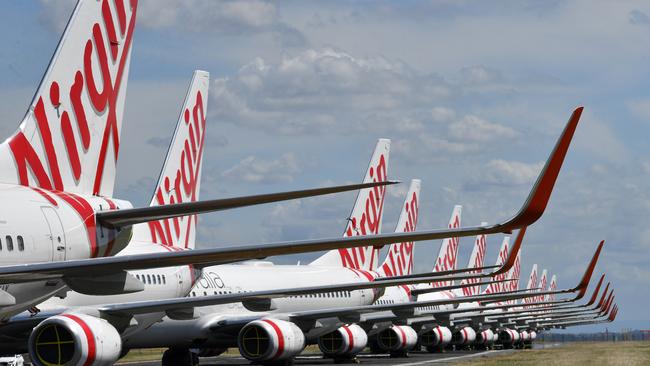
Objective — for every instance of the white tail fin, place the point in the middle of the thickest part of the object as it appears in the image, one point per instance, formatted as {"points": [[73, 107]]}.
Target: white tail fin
{"points": [[552, 287], [69, 138], [532, 282], [513, 275], [365, 218], [494, 288], [399, 260], [543, 281], [180, 177], [476, 260], [448, 254]]}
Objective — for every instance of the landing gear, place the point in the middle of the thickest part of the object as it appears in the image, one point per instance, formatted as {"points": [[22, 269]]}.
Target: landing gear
{"points": [[180, 357]]}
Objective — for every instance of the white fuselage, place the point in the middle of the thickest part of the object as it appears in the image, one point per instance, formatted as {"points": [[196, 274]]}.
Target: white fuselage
{"points": [[159, 283], [253, 276], [45, 226]]}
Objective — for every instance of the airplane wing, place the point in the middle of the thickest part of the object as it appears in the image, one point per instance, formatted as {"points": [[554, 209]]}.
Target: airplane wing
{"points": [[530, 212], [132, 216]]}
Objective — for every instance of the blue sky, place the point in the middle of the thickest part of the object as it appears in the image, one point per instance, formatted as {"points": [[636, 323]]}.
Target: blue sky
{"points": [[473, 95]]}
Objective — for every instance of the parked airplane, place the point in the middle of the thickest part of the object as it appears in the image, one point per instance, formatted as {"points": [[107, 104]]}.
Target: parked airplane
{"points": [[59, 168]]}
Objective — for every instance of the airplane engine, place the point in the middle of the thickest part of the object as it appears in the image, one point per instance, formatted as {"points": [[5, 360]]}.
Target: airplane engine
{"points": [[524, 336], [270, 339], [346, 341], [533, 335], [397, 338], [436, 337], [464, 336], [74, 339], [485, 337], [509, 337]]}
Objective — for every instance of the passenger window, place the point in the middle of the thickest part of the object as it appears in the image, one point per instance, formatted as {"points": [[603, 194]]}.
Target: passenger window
{"points": [[159, 280], [21, 243], [164, 280], [10, 243], [148, 279], [0, 244]]}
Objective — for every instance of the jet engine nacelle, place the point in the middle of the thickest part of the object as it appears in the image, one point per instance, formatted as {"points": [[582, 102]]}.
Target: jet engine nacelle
{"points": [[397, 338], [74, 339], [348, 340], [485, 337], [270, 339], [524, 336], [533, 335], [509, 336], [464, 336], [438, 336]]}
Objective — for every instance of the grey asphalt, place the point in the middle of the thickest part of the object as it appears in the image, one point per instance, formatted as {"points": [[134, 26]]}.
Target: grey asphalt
{"points": [[414, 359]]}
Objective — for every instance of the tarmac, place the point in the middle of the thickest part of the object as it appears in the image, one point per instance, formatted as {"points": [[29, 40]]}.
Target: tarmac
{"points": [[413, 359]]}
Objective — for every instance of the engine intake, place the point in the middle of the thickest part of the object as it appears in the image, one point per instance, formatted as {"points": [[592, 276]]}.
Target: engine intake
{"points": [[509, 336], [74, 339], [436, 337], [464, 336], [270, 339], [346, 341], [397, 338], [485, 337]]}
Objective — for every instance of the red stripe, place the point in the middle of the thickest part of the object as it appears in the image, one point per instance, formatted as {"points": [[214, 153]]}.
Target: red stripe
{"points": [[439, 331], [92, 348], [403, 336], [347, 330], [465, 333], [278, 332]]}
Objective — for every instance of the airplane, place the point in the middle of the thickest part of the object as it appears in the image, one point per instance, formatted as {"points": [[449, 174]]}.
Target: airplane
{"points": [[59, 168]]}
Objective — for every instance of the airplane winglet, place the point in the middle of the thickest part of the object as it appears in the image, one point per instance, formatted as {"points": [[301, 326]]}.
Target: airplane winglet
{"points": [[604, 296], [582, 286], [539, 196], [612, 315], [512, 256], [594, 296]]}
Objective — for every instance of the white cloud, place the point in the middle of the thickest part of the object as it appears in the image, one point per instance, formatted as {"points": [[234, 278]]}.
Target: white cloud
{"points": [[509, 173], [254, 170], [474, 128]]}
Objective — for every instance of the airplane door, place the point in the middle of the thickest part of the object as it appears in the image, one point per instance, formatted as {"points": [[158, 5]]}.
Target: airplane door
{"points": [[56, 236]]}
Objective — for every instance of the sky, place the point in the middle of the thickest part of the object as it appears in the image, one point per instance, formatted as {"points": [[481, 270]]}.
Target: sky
{"points": [[473, 95]]}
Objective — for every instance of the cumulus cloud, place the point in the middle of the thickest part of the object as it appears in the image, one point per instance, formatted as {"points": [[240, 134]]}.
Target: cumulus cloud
{"points": [[255, 170], [474, 128], [508, 173]]}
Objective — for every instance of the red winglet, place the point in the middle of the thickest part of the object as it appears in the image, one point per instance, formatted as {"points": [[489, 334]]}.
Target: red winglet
{"points": [[602, 298], [612, 315], [512, 256], [582, 286], [541, 192], [595, 294]]}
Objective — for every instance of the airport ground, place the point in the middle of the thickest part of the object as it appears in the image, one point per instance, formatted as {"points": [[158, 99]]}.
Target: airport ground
{"points": [[569, 354]]}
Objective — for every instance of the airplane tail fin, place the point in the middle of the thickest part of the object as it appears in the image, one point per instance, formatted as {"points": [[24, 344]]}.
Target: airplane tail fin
{"points": [[514, 274], [476, 260], [180, 176], [365, 218], [448, 254], [552, 287], [69, 138], [543, 281], [532, 282], [502, 256], [399, 260]]}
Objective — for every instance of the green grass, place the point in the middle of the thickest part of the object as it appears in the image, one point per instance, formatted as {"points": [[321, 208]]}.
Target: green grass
{"points": [[574, 354]]}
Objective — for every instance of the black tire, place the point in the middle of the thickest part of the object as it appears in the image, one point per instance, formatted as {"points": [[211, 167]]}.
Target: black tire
{"points": [[179, 357]]}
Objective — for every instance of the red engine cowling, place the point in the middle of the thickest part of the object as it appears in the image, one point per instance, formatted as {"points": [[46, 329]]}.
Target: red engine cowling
{"points": [[397, 338], [436, 337], [270, 339], [485, 337], [74, 339], [509, 336], [346, 341], [464, 336]]}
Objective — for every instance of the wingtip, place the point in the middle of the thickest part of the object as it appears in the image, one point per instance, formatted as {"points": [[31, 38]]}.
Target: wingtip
{"points": [[540, 194]]}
